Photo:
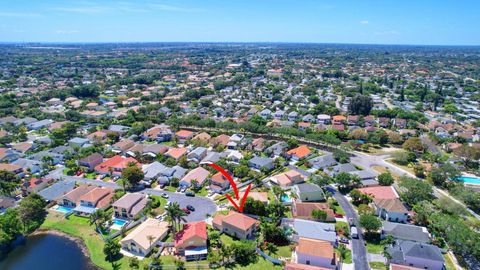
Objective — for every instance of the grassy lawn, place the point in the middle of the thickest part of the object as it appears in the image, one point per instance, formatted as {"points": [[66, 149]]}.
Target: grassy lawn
{"points": [[160, 209], [91, 175], [378, 265], [80, 227], [283, 251], [375, 248], [381, 169], [170, 188], [406, 168], [336, 207], [202, 192], [260, 264], [348, 256], [448, 262]]}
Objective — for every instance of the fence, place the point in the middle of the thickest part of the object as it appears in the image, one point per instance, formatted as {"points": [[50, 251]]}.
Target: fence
{"points": [[268, 258]]}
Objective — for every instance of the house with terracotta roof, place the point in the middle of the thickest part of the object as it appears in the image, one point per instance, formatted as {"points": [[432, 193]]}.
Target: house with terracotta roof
{"points": [[184, 135], [338, 119], [256, 195], [287, 179], [203, 137], [191, 241], [299, 153], [220, 140], [176, 152], [98, 136], [315, 252], [303, 210], [97, 198], [299, 266], [129, 206], [72, 198], [236, 225], [115, 165], [199, 174], [380, 192], [144, 237], [219, 183]]}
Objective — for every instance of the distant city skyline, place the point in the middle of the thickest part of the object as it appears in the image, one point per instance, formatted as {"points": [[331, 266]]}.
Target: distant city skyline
{"points": [[407, 22]]}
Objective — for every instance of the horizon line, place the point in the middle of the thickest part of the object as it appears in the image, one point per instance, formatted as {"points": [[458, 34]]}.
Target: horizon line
{"points": [[235, 42]]}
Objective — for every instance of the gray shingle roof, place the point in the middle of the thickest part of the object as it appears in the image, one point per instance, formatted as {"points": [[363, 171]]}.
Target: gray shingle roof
{"points": [[406, 232]]}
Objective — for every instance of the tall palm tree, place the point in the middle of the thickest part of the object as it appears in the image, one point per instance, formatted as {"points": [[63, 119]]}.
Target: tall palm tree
{"points": [[175, 215]]}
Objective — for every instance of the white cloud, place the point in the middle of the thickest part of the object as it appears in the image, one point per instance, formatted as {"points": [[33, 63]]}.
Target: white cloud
{"points": [[364, 22]]}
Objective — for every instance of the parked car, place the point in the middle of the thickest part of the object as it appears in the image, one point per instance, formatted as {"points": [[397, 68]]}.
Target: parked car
{"points": [[179, 189], [190, 194], [165, 195], [343, 240], [350, 221], [191, 208], [183, 189], [186, 211], [168, 204], [354, 232]]}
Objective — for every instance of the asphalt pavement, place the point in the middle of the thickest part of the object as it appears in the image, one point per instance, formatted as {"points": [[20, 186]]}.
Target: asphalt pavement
{"points": [[204, 207], [359, 251]]}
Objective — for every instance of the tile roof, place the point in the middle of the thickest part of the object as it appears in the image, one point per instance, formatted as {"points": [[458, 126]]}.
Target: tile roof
{"points": [[192, 229], [317, 248], [176, 152], [301, 151], [236, 220], [150, 227], [380, 192], [115, 162]]}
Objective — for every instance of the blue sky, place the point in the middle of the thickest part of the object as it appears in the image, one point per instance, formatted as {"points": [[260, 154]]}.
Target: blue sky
{"points": [[437, 22]]}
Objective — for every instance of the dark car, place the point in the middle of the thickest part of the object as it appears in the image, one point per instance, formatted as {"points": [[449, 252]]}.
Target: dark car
{"points": [[186, 211], [190, 194], [191, 208]]}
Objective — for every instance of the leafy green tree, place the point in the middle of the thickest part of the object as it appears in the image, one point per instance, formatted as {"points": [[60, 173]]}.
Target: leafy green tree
{"points": [[244, 251], [360, 105], [343, 179], [10, 226], [385, 179], [341, 156], [319, 215], [415, 191], [9, 182], [31, 212], [111, 249], [414, 144], [370, 223], [132, 175]]}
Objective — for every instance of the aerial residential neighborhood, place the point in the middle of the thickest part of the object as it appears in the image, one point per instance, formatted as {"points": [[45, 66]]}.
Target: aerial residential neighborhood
{"points": [[121, 152]]}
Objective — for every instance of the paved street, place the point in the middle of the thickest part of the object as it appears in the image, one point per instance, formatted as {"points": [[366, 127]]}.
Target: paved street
{"points": [[203, 206], [359, 250]]}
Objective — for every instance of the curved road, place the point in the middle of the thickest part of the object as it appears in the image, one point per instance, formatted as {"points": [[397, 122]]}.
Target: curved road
{"points": [[204, 207]]}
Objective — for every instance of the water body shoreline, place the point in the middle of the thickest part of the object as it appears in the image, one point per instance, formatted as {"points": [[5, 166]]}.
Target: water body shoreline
{"points": [[76, 243]]}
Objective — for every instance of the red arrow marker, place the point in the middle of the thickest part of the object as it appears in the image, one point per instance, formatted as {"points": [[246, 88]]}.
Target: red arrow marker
{"points": [[234, 186], [229, 178], [242, 203]]}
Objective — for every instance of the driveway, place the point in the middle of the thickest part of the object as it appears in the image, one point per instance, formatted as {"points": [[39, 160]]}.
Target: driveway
{"points": [[358, 245], [203, 206]]}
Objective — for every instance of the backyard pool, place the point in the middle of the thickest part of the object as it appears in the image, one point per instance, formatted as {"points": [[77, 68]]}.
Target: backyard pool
{"points": [[285, 198], [118, 223], [62, 209], [470, 180]]}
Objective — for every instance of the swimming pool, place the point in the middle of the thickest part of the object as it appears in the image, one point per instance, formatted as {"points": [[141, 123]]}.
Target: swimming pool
{"points": [[285, 198], [119, 222], [470, 180], [62, 209]]}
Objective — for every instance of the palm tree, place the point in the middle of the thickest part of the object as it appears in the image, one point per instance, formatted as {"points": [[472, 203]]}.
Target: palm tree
{"points": [[94, 217], [342, 250], [150, 239], [175, 215]]}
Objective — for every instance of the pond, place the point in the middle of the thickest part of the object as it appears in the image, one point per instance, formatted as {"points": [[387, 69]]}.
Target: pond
{"points": [[47, 252]]}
